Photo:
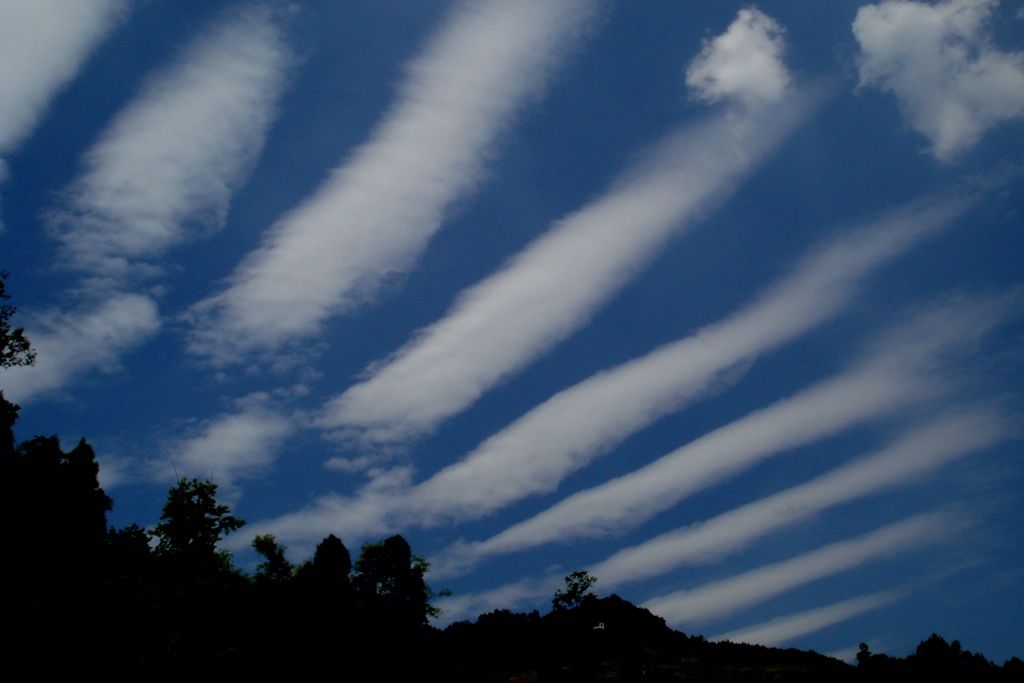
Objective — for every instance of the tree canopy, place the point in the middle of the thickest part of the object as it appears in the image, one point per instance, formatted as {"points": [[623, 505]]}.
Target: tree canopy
{"points": [[193, 521], [577, 587], [15, 348], [274, 567], [389, 581]]}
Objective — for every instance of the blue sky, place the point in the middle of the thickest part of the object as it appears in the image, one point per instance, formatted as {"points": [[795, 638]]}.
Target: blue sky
{"points": [[720, 302]]}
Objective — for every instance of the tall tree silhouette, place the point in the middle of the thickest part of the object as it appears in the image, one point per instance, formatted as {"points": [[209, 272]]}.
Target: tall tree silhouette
{"points": [[192, 524], [389, 583]]}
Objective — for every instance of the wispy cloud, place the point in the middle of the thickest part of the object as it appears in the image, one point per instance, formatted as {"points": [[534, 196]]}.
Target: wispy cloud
{"points": [[951, 82], [234, 446], [897, 376], [164, 169], [168, 164], [566, 432], [783, 629], [510, 596], [721, 598], [68, 344], [900, 373], [918, 451], [43, 44], [375, 214], [552, 288]]}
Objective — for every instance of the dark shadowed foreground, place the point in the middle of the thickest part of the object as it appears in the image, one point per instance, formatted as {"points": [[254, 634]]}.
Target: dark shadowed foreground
{"points": [[130, 604]]}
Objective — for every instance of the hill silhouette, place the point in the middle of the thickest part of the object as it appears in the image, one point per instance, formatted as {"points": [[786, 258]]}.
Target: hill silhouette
{"points": [[115, 603]]}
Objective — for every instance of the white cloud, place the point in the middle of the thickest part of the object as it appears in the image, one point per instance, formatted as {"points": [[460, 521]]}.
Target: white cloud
{"points": [[510, 596], [897, 375], [743, 64], [375, 214], [720, 598], [783, 629], [68, 344], [354, 519], [166, 165], [169, 162], [900, 373], [938, 60], [917, 452], [566, 432], [234, 446], [551, 289], [43, 43]]}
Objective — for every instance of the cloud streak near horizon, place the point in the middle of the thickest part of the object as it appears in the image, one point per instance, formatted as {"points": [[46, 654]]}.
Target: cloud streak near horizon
{"points": [[566, 432], [376, 212], [918, 451], [783, 629], [896, 376], [721, 598]]}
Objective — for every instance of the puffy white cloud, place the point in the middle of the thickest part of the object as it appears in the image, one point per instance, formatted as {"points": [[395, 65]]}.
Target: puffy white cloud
{"points": [[743, 64], [170, 161], [375, 214], [938, 60]]}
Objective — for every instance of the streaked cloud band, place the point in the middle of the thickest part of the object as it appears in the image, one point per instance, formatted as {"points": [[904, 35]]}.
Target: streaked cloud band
{"points": [[375, 214], [720, 598]]}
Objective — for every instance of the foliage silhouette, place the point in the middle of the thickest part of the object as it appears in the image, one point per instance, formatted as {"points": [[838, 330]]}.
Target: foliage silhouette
{"points": [[181, 610], [15, 348], [389, 583], [193, 523], [577, 586], [275, 567]]}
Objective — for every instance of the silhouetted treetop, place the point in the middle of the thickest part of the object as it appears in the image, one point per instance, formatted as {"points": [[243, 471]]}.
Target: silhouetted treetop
{"points": [[193, 521], [577, 587], [15, 348], [389, 582], [274, 567]]}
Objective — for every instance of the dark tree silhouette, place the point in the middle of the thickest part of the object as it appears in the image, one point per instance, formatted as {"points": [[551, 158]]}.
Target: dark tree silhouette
{"points": [[200, 594], [577, 586], [274, 567], [58, 538], [79, 505], [389, 583], [392, 609], [326, 619], [332, 563], [8, 416], [15, 348], [193, 523]]}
